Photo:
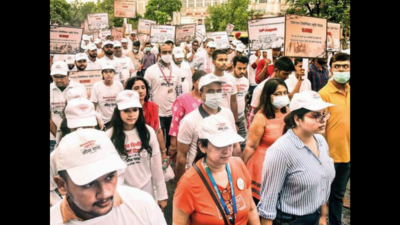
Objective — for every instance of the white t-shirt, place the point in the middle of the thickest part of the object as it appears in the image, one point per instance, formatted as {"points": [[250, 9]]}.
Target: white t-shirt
{"points": [[292, 81], [105, 97], [257, 93], [138, 208], [252, 72], [186, 76], [124, 51], [142, 171], [125, 65], [58, 100], [242, 86], [228, 89], [117, 66], [93, 65], [189, 128], [162, 94]]}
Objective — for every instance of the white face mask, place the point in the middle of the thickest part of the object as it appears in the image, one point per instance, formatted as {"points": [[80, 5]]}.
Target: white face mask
{"points": [[135, 50], [166, 58], [341, 77], [281, 101], [213, 100]]}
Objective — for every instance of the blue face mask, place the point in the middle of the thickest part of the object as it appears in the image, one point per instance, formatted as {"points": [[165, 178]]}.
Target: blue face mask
{"points": [[341, 77], [148, 49]]}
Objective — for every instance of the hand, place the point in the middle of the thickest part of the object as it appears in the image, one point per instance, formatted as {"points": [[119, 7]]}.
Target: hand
{"points": [[187, 48], [162, 204], [164, 156], [237, 128], [322, 220]]}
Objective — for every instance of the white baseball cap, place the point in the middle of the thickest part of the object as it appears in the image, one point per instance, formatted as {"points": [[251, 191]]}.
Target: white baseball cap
{"points": [[309, 100], [124, 40], [218, 130], [80, 113], [97, 40], [211, 44], [107, 65], [85, 37], [178, 52], [59, 67], [108, 42], [128, 99], [81, 56], [72, 93], [133, 32], [87, 154], [208, 79], [240, 48], [91, 46], [117, 44]]}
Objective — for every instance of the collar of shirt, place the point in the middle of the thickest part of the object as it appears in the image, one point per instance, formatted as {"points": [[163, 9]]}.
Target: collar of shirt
{"points": [[317, 68], [203, 112], [67, 213], [333, 89], [163, 67], [71, 84], [297, 142]]}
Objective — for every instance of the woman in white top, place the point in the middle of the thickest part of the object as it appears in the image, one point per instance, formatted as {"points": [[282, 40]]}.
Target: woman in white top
{"points": [[137, 145]]}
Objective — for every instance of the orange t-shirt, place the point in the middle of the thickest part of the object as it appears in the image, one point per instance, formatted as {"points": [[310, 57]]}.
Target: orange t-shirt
{"points": [[192, 196]]}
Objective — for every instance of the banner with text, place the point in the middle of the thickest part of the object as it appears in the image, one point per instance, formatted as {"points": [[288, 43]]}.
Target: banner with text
{"points": [[65, 40], [333, 36], [124, 9], [98, 21], [87, 78], [220, 38], [185, 33], [144, 26], [162, 33], [266, 33]]}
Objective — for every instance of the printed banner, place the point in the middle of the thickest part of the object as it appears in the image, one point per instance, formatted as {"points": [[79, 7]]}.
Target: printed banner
{"points": [[220, 38], [333, 37], [104, 33], [229, 28], [65, 40], [185, 33], [162, 33], [124, 9], [201, 29], [116, 32], [144, 26], [143, 38], [305, 36], [98, 21], [87, 78], [266, 33]]}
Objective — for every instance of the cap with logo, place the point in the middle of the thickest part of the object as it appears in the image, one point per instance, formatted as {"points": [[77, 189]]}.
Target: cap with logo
{"points": [[219, 131]]}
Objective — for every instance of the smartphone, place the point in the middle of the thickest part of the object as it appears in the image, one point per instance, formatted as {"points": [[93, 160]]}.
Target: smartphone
{"points": [[305, 67]]}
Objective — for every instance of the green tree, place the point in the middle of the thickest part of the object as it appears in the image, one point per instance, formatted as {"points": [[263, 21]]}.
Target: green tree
{"points": [[232, 11], [79, 12], [60, 12], [159, 10]]}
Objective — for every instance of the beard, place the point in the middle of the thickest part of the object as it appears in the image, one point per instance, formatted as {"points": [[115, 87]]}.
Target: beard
{"points": [[93, 56], [109, 52]]}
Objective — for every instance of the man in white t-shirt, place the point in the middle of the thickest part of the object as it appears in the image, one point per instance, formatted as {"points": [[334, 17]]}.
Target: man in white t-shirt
{"points": [[61, 84], [108, 50], [99, 45], [124, 63], [251, 72], [165, 86], [186, 72], [210, 88], [203, 60], [80, 62], [104, 93], [229, 91], [297, 82], [125, 46], [92, 63], [240, 63], [87, 164], [70, 60], [190, 55]]}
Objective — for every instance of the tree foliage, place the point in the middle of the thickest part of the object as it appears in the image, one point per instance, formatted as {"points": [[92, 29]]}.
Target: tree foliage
{"points": [[232, 11], [159, 10], [59, 11]]}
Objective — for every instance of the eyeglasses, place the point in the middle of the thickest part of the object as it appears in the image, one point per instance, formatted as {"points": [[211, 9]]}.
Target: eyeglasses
{"points": [[58, 77], [344, 66], [318, 117]]}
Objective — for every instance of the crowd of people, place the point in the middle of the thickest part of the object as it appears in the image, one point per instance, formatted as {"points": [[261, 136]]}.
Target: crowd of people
{"points": [[250, 140]]}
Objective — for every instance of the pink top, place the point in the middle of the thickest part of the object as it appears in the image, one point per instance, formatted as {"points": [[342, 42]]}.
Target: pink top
{"points": [[182, 106]]}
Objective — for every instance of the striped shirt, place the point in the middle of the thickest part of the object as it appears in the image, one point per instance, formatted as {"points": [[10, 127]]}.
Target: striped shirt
{"points": [[318, 77], [294, 180]]}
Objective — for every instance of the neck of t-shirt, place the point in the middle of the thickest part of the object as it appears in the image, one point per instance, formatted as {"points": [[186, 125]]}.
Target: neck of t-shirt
{"points": [[164, 64], [108, 83], [209, 110]]}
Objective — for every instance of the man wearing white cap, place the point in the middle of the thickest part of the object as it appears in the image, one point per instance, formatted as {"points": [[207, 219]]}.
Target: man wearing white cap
{"points": [[238, 51], [210, 88], [186, 72], [92, 63], [125, 48], [87, 163], [70, 60], [85, 41], [108, 51], [203, 61], [124, 64], [80, 62], [98, 44], [61, 84], [104, 92]]}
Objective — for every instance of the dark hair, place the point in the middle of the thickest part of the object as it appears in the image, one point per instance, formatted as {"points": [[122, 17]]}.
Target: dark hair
{"points": [[147, 43], [218, 52], [118, 136], [136, 43], [265, 101], [131, 82], [64, 174], [298, 60], [289, 118], [195, 41], [169, 42], [102, 71], [340, 56], [159, 47], [197, 75], [284, 63], [240, 58], [200, 154]]}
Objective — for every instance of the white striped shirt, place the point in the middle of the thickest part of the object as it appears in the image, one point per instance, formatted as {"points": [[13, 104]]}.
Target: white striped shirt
{"points": [[292, 172]]}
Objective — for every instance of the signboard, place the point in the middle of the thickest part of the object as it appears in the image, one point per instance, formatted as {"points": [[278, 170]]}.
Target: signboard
{"points": [[144, 26], [65, 40], [266, 33], [185, 33], [98, 21], [124, 9], [162, 33], [333, 37], [87, 78], [220, 38]]}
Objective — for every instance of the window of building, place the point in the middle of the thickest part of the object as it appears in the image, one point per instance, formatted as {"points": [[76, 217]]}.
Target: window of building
{"points": [[191, 3], [199, 3]]}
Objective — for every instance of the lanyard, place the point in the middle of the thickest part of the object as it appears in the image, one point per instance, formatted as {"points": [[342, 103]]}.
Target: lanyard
{"points": [[231, 218], [165, 78]]}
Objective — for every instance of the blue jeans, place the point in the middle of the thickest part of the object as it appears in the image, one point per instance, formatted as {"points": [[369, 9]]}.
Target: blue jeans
{"points": [[288, 219], [52, 144], [338, 189]]}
